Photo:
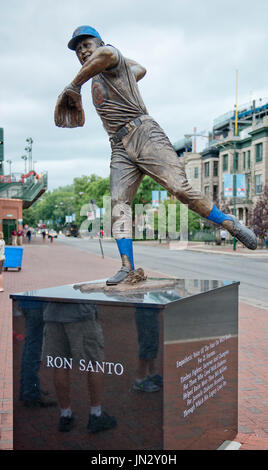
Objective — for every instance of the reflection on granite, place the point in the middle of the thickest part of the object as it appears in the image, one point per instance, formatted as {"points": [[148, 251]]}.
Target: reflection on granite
{"points": [[154, 291], [87, 345]]}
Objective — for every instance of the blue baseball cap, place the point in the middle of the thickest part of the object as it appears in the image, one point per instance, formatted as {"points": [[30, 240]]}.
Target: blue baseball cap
{"points": [[82, 31]]}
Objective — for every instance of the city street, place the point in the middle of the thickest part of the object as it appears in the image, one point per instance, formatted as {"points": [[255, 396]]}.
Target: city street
{"points": [[250, 270], [73, 260]]}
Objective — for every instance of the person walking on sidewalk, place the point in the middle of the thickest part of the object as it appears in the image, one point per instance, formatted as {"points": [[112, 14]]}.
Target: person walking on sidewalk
{"points": [[2, 259], [139, 145], [20, 235], [14, 237]]}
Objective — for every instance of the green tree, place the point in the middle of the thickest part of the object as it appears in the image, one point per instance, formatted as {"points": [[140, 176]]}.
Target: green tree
{"points": [[88, 188], [52, 207], [144, 193]]}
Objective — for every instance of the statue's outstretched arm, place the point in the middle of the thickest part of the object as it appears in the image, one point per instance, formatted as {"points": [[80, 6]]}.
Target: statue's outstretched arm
{"points": [[69, 111]]}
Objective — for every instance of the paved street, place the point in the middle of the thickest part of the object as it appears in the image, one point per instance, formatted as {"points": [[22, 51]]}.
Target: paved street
{"points": [[250, 269], [68, 261]]}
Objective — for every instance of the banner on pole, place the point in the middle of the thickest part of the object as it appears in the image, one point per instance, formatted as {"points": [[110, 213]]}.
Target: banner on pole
{"points": [[228, 185], [156, 195], [241, 186], [238, 189]]}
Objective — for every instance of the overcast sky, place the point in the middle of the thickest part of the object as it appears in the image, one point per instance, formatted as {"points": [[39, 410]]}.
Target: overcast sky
{"points": [[190, 48]]}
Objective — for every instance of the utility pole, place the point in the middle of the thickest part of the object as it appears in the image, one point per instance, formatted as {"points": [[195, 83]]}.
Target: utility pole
{"points": [[24, 157], [235, 161]]}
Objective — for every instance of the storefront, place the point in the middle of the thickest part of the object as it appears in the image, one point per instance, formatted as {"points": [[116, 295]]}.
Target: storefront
{"points": [[10, 217]]}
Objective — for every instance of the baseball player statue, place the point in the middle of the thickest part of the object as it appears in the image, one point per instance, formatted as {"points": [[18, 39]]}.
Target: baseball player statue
{"points": [[138, 144]]}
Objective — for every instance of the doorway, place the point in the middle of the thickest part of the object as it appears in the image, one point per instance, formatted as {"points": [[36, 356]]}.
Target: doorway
{"points": [[8, 226]]}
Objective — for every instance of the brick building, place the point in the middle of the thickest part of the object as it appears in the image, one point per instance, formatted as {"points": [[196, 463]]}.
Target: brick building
{"points": [[10, 216]]}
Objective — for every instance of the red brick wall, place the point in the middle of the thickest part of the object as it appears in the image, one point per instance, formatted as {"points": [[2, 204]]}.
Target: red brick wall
{"points": [[10, 206]]}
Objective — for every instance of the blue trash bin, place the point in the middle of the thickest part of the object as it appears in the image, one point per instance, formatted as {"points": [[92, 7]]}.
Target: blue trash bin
{"points": [[13, 256]]}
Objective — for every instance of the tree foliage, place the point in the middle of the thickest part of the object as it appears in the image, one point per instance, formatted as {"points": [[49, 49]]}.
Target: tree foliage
{"points": [[54, 205]]}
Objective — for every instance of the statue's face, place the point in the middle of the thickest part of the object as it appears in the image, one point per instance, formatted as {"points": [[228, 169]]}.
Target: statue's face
{"points": [[85, 47]]}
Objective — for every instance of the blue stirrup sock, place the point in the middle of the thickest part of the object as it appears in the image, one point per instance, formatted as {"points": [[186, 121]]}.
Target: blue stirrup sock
{"points": [[125, 247], [218, 216]]}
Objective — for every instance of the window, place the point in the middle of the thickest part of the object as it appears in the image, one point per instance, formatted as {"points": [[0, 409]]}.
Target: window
{"points": [[207, 169], [215, 192], [225, 162], [258, 184], [236, 161], [189, 173], [206, 190], [215, 168], [248, 187], [196, 172], [258, 152], [248, 159], [244, 160]]}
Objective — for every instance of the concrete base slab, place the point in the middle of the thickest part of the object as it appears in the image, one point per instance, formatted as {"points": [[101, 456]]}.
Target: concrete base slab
{"points": [[229, 445]]}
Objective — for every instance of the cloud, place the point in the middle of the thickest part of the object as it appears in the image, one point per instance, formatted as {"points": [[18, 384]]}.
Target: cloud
{"points": [[191, 50]]}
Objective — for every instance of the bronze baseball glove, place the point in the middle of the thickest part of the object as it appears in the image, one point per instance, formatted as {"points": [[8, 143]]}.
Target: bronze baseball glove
{"points": [[69, 110]]}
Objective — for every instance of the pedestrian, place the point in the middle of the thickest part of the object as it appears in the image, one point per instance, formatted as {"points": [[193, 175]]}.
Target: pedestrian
{"points": [[223, 236], [14, 237], [2, 259], [20, 235], [139, 146], [29, 235], [44, 236]]}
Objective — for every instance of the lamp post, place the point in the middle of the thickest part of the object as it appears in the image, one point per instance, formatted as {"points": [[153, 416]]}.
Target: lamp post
{"points": [[24, 157], [28, 149], [235, 161]]}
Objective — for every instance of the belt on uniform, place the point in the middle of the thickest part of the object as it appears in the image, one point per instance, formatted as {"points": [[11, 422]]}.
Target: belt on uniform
{"points": [[125, 130]]}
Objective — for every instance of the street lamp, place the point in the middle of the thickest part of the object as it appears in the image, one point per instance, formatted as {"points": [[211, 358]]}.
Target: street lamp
{"points": [[24, 157], [28, 149]]}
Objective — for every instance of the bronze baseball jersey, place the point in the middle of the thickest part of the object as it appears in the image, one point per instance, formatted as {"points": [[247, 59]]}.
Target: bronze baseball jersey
{"points": [[116, 96]]}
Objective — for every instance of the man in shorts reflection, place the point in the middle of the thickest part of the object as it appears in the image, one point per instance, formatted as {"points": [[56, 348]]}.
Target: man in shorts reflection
{"points": [[73, 332]]}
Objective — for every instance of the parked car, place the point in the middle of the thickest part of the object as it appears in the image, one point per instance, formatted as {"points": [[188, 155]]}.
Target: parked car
{"points": [[71, 230], [52, 233]]}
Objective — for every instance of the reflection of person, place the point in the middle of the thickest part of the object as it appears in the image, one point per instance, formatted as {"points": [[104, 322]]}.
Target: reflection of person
{"points": [[30, 390], [139, 145], [2, 259], [72, 331], [147, 324], [148, 338]]}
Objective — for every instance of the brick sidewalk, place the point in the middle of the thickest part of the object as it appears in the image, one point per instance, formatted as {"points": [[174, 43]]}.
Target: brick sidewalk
{"points": [[49, 264]]}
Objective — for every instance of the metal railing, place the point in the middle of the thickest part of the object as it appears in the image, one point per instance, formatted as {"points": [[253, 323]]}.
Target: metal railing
{"points": [[27, 191]]}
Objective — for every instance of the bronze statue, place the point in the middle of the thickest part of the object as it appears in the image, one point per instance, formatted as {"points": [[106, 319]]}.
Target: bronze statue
{"points": [[139, 145]]}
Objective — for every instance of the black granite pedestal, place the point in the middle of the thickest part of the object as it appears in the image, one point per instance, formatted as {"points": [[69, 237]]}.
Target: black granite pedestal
{"points": [[183, 330]]}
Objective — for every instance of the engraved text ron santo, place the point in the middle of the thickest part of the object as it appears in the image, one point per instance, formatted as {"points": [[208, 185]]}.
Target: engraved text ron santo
{"points": [[86, 366]]}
